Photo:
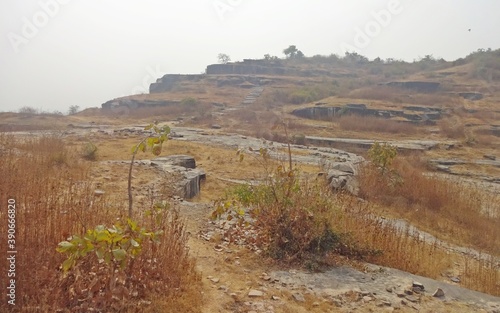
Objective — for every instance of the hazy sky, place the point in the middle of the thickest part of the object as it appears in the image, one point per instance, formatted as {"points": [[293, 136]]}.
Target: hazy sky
{"points": [[58, 53]]}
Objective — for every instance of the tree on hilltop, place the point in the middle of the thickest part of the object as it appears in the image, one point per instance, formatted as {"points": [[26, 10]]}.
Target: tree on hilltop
{"points": [[292, 52], [223, 58]]}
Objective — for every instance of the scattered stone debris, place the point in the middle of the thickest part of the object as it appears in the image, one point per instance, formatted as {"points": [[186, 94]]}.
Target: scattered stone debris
{"points": [[412, 298]]}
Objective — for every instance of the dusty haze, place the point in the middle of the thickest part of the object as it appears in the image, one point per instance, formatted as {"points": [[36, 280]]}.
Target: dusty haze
{"points": [[58, 53]]}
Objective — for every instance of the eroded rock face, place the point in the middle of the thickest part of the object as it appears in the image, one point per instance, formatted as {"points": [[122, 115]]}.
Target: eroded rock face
{"points": [[135, 103], [495, 130], [420, 86], [413, 114], [471, 95], [247, 68]]}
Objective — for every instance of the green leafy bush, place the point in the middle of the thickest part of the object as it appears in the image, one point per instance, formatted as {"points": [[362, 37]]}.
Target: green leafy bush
{"points": [[114, 246], [112, 268], [189, 101]]}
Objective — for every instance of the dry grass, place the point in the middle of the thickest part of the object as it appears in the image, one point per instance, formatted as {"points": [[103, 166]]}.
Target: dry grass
{"points": [[54, 199], [482, 274], [451, 210], [374, 124], [452, 128], [398, 95], [426, 199], [400, 248], [173, 111], [385, 93]]}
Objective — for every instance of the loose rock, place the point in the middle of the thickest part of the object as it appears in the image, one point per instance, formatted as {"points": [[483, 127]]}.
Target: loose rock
{"points": [[299, 297], [418, 285], [255, 293], [438, 293]]}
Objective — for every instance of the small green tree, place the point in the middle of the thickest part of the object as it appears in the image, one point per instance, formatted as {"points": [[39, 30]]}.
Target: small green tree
{"points": [[291, 51], [154, 141], [382, 155]]}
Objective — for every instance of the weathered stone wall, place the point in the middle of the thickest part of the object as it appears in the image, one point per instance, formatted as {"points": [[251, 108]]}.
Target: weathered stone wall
{"points": [[420, 86], [244, 69], [135, 103], [411, 113], [169, 81]]}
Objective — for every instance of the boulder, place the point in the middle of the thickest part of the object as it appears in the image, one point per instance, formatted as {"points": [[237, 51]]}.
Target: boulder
{"points": [[438, 293], [343, 180], [344, 167], [191, 183], [189, 180]]}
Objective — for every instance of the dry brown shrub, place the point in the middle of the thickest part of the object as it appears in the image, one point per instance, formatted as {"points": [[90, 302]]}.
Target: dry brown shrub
{"points": [[482, 274], [54, 198], [400, 248], [452, 128], [451, 210]]}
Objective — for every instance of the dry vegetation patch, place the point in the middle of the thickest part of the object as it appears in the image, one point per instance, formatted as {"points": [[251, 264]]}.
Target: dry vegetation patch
{"points": [[55, 200], [371, 124], [451, 210]]}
